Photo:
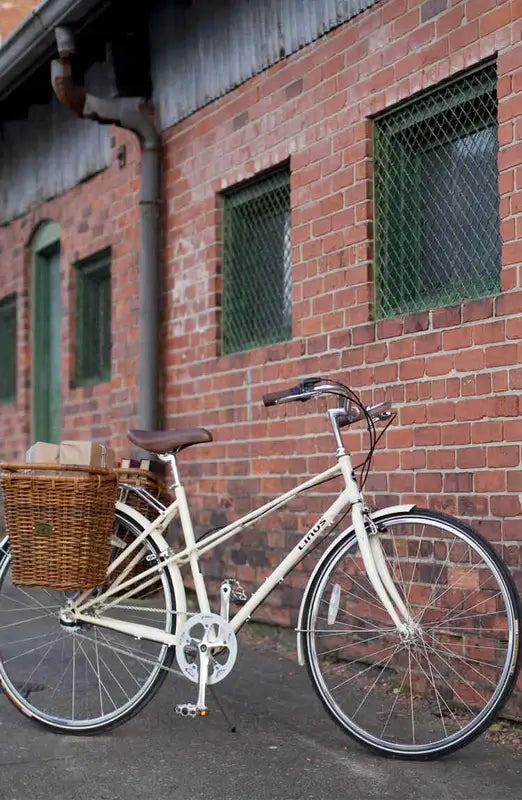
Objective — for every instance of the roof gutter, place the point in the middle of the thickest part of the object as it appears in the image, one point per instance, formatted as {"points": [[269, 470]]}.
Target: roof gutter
{"points": [[33, 42], [130, 113]]}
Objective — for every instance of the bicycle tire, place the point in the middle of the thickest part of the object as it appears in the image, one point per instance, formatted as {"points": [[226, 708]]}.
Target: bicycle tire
{"points": [[89, 678], [453, 638]]}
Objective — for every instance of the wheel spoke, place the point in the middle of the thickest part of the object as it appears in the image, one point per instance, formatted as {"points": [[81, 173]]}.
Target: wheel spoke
{"points": [[397, 683], [363, 671], [468, 661], [452, 668], [75, 674]]}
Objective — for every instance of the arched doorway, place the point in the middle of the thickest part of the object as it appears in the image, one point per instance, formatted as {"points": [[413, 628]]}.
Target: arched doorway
{"points": [[45, 334]]}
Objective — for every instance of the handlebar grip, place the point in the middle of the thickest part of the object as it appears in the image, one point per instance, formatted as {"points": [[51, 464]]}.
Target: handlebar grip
{"points": [[272, 398]]}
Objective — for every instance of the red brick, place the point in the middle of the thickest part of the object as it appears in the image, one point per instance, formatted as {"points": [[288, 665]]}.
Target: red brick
{"points": [[428, 482], [458, 482], [486, 431], [505, 505], [440, 365], [477, 309], [417, 322], [512, 430], [487, 482], [456, 434], [414, 368], [363, 334], [413, 459], [471, 457], [474, 409], [393, 9], [487, 332], [476, 8], [446, 317], [441, 412], [469, 505], [429, 343], [495, 19], [503, 456], [463, 36], [450, 20], [504, 354]]}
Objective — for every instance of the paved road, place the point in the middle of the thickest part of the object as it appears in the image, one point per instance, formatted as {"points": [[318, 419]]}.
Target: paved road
{"points": [[285, 747]]}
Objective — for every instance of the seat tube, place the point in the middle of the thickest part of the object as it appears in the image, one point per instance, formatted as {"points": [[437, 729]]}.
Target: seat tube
{"points": [[188, 535]]}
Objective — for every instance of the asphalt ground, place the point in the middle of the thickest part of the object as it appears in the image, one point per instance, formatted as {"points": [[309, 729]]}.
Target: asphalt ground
{"points": [[285, 747]]}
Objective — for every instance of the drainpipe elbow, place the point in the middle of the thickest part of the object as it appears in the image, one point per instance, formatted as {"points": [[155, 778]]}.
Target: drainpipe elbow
{"points": [[126, 112], [65, 89]]}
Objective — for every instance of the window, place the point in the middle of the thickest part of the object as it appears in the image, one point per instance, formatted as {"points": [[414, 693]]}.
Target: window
{"points": [[257, 275], [93, 320], [437, 238], [8, 349]]}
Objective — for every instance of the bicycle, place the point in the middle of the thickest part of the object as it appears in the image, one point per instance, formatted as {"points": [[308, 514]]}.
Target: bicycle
{"points": [[408, 626]]}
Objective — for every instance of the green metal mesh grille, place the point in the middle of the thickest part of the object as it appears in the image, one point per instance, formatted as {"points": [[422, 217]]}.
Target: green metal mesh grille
{"points": [[8, 349], [257, 277], [93, 320], [436, 197]]}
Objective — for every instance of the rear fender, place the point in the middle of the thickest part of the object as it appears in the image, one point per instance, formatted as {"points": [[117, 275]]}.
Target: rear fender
{"points": [[173, 570]]}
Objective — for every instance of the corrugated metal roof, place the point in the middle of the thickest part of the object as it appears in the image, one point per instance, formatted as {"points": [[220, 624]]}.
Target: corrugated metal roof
{"points": [[203, 50], [49, 152]]}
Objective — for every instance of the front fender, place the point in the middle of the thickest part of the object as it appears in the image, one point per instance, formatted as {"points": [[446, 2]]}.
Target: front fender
{"points": [[376, 515]]}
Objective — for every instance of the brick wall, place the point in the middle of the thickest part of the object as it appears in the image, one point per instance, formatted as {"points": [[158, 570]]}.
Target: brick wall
{"points": [[453, 373]]}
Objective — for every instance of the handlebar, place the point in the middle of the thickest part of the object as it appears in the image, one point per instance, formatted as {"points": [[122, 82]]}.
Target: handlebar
{"points": [[308, 388], [315, 387]]}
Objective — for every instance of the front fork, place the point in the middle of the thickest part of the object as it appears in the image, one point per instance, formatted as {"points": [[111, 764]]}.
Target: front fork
{"points": [[377, 570], [372, 553]]}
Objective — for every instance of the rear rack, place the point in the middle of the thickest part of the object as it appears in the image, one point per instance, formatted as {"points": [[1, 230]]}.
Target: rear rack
{"points": [[154, 502]]}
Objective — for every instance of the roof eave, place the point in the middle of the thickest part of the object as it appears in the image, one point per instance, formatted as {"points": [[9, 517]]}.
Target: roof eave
{"points": [[33, 41]]}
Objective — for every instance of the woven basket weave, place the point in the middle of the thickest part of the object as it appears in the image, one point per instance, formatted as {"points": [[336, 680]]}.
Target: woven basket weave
{"points": [[59, 519]]}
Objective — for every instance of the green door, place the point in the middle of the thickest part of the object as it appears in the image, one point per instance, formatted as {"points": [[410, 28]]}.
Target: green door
{"points": [[46, 338]]}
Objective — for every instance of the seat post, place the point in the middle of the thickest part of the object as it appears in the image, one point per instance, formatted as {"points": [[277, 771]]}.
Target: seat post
{"points": [[170, 459]]}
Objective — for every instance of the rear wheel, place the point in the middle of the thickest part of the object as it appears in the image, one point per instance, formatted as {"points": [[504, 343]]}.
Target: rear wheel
{"points": [[77, 677], [431, 690]]}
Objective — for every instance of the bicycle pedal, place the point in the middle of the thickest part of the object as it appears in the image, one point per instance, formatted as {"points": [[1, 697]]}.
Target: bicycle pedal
{"points": [[191, 710], [238, 594]]}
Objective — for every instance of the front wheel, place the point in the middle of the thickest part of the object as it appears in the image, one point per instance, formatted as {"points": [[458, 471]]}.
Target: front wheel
{"points": [[76, 677], [428, 691]]}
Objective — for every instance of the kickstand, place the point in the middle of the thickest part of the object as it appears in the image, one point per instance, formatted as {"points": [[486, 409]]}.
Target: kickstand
{"points": [[221, 708]]}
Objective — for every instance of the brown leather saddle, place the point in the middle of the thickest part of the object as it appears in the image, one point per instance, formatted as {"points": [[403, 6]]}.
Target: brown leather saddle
{"points": [[172, 441]]}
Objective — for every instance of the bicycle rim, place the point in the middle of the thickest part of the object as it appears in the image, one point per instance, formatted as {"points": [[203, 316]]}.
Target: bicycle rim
{"points": [[80, 678], [431, 691]]}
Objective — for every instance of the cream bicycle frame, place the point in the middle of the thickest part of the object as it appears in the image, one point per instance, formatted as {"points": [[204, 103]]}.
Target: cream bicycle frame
{"points": [[370, 548]]}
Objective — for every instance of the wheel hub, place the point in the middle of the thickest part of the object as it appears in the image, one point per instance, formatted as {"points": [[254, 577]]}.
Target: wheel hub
{"points": [[412, 635], [67, 618]]}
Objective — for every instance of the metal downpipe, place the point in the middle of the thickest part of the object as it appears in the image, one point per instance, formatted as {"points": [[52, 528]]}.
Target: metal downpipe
{"points": [[132, 114]]}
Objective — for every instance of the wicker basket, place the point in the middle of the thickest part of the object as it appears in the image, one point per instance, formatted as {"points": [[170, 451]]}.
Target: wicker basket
{"points": [[59, 519], [144, 479]]}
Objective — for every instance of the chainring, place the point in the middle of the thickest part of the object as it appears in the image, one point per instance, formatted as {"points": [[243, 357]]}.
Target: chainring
{"points": [[206, 629]]}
